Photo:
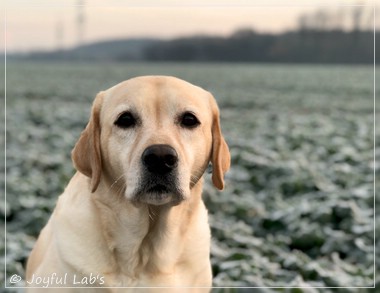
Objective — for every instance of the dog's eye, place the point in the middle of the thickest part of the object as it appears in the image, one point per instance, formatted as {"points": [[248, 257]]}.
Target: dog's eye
{"points": [[126, 120], [188, 120]]}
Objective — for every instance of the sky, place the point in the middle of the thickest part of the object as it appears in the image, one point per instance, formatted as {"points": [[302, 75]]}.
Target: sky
{"points": [[52, 24]]}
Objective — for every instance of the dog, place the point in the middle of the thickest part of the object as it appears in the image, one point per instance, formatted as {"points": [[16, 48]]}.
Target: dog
{"points": [[132, 215]]}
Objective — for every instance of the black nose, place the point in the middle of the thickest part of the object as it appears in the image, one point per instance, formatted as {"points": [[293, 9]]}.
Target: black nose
{"points": [[160, 159]]}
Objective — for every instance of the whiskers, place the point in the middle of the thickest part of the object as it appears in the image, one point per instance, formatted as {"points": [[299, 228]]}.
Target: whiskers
{"points": [[152, 213], [120, 187], [194, 178]]}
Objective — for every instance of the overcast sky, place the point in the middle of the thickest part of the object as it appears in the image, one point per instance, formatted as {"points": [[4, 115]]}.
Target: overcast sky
{"points": [[51, 24]]}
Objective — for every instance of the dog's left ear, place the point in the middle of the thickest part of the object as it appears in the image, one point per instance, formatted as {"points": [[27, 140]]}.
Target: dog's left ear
{"points": [[220, 155], [86, 154]]}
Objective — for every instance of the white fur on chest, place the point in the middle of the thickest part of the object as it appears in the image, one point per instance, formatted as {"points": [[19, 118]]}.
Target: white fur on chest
{"points": [[120, 243]]}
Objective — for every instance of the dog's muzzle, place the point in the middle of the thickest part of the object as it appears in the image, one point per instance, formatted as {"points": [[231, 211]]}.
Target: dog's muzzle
{"points": [[159, 183]]}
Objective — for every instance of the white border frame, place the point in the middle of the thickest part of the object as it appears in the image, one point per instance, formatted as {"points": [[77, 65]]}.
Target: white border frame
{"points": [[198, 5]]}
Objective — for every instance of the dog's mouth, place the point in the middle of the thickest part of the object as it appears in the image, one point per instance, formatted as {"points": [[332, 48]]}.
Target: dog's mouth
{"points": [[159, 193], [159, 188]]}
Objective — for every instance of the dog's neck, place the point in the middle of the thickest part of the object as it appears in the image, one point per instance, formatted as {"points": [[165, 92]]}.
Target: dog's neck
{"points": [[154, 213], [130, 229]]}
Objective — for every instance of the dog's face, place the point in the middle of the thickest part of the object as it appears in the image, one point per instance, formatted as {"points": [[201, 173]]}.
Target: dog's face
{"points": [[155, 136]]}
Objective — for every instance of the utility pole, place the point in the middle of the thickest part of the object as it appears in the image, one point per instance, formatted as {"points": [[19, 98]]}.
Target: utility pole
{"points": [[59, 34], [80, 22]]}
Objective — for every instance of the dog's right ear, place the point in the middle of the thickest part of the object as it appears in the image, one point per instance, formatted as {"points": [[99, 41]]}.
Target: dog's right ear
{"points": [[86, 154]]}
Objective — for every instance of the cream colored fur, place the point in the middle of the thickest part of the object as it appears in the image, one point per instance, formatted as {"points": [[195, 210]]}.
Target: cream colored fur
{"points": [[97, 230]]}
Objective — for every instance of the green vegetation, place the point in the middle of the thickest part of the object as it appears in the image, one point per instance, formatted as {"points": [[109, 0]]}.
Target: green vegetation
{"points": [[298, 207]]}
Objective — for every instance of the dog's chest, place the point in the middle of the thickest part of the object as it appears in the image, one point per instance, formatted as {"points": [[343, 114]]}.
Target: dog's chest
{"points": [[156, 250]]}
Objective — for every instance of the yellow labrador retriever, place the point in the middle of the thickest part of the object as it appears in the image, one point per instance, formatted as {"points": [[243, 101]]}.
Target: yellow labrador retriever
{"points": [[133, 215]]}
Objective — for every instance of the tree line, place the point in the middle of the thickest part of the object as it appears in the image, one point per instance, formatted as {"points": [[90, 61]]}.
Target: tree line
{"points": [[303, 46], [342, 35]]}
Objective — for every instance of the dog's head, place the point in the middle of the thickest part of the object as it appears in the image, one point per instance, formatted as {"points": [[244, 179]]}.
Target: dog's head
{"points": [[154, 137]]}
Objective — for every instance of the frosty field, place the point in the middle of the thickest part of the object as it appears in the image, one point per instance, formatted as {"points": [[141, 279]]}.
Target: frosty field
{"points": [[298, 208]]}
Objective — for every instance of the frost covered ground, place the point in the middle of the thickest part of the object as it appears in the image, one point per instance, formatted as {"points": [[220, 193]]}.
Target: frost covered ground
{"points": [[298, 209]]}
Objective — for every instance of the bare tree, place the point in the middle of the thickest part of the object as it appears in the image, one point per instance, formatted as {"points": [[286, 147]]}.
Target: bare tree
{"points": [[338, 20], [321, 20], [303, 23], [368, 18], [357, 13]]}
